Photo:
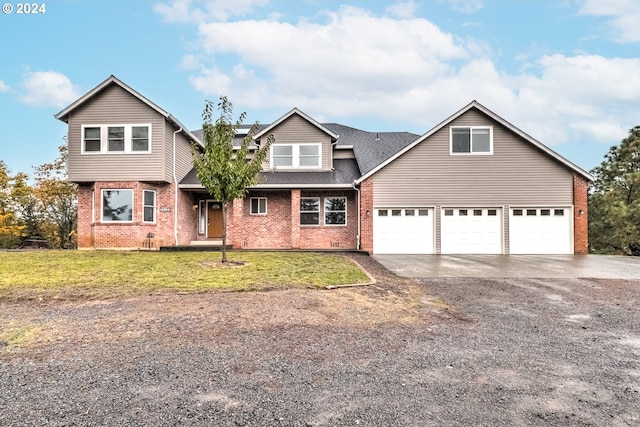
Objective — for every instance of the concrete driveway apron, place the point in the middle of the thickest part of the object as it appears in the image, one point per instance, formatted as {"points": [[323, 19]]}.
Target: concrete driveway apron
{"points": [[496, 266]]}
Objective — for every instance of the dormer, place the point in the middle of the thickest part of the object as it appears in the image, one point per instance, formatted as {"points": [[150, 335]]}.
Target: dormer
{"points": [[301, 144]]}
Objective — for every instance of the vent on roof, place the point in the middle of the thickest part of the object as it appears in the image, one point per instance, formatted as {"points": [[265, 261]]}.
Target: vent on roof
{"points": [[377, 137]]}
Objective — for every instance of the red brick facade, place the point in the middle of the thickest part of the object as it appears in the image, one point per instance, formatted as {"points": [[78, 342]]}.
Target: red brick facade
{"points": [[580, 215], [280, 227], [366, 215], [93, 232]]}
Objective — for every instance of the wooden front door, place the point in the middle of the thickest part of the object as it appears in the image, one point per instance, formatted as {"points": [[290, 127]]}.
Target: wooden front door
{"points": [[214, 220]]}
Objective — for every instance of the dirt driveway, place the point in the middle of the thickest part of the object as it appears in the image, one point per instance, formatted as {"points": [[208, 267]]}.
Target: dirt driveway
{"points": [[431, 352]]}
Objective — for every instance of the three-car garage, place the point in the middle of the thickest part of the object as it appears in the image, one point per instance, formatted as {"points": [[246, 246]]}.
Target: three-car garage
{"points": [[473, 230]]}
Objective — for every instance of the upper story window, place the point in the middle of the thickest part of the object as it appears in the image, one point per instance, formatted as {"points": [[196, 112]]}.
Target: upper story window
{"points": [[472, 140], [296, 156], [116, 138]]}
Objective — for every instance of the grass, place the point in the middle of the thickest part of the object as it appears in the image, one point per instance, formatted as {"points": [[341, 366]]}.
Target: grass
{"points": [[104, 274]]}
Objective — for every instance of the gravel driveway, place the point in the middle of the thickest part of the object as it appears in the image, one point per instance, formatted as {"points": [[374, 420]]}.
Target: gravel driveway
{"points": [[416, 353]]}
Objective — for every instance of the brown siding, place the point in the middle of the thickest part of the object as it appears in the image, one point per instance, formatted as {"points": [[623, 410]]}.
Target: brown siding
{"points": [[516, 173], [114, 105], [296, 130]]}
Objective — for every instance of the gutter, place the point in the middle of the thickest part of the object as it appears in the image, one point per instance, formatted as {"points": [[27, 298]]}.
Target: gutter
{"points": [[175, 190]]}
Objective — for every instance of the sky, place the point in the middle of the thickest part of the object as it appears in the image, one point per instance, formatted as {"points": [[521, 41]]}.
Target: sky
{"points": [[567, 72]]}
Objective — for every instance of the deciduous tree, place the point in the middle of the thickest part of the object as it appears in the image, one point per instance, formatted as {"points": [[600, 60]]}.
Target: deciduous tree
{"points": [[224, 171]]}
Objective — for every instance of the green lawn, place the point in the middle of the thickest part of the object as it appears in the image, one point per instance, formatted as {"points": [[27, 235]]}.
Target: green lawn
{"points": [[105, 274]]}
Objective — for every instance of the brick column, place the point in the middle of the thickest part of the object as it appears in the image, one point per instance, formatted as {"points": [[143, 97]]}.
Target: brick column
{"points": [[366, 215], [85, 222], [235, 231], [580, 216], [295, 219]]}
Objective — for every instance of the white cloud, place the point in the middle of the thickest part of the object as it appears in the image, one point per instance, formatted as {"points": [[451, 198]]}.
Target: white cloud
{"points": [[624, 16], [189, 11], [4, 87], [405, 9], [47, 89], [465, 6], [355, 64]]}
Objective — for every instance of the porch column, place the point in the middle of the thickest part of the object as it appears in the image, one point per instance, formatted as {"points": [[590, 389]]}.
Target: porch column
{"points": [[235, 232], [295, 219]]}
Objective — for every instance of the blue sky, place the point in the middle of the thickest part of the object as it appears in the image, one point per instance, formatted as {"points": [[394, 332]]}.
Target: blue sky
{"points": [[566, 72]]}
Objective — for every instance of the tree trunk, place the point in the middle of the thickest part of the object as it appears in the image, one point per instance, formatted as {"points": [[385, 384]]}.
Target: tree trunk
{"points": [[224, 231]]}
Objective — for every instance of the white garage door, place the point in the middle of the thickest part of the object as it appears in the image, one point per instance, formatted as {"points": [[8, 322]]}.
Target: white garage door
{"points": [[403, 231], [540, 231], [471, 231]]}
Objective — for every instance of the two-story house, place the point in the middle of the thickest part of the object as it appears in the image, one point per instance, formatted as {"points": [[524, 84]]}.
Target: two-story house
{"points": [[473, 184]]}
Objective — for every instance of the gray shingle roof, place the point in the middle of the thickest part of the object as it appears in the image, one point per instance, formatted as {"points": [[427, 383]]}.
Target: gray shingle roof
{"points": [[344, 173]]}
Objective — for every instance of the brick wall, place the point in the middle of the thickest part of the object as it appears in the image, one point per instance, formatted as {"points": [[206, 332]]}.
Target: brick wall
{"points": [[280, 228], [93, 233], [580, 216], [366, 215]]}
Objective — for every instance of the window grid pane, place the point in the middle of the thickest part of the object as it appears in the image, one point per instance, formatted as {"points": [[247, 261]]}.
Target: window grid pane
{"points": [[310, 211], [335, 210], [148, 206], [92, 139], [140, 138], [115, 138], [117, 205]]}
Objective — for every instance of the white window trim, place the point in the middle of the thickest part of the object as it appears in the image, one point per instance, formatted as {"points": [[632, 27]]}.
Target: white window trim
{"points": [[471, 152], [133, 211], [155, 203], [251, 206], [319, 211], [324, 213], [295, 154], [104, 138]]}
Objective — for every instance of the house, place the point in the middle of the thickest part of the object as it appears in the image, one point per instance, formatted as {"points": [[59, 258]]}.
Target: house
{"points": [[474, 184]]}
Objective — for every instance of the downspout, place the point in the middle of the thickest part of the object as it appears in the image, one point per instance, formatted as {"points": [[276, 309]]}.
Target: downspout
{"points": [[353, 184], [175, 191]]}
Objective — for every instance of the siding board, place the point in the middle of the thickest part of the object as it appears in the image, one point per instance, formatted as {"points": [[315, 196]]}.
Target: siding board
{"points": [[296, 130], [516, 173], [114, 105]]}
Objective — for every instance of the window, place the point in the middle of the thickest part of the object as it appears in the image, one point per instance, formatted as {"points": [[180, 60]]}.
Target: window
{"points": [[335, 211], [448, 212], [148, 206], [531, 212], [282, 155], [558, 212], [383, 212], [423, 212], [545, 212], [471, 140], [477, 212], [396, 212], [91, 139], [202, 217], [116, 138], [139, 138], [492, 212], [258, 206], [517, 212], [409, 212], [309, 210], [296, 156], [117, 205], [462, 212]]}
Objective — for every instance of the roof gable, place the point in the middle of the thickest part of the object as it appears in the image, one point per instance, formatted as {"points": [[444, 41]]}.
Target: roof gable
{"points": [[295, 111], [113, 80], [476, 105]]}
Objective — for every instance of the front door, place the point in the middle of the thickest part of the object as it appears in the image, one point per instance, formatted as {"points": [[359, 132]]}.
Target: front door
{"points": [[214, 220]]}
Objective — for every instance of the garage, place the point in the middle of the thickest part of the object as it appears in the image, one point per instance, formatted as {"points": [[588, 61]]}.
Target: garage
{"points": [[403, 231], [540, 231], [471, 231]]}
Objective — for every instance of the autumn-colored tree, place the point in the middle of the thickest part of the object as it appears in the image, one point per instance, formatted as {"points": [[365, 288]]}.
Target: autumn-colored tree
{"points": [[11, 231], [58, 198], [224, 171]]}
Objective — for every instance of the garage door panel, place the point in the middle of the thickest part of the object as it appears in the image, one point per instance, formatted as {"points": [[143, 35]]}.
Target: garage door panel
{"points": [[403, 231], [540, 231], [471, 231]]}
